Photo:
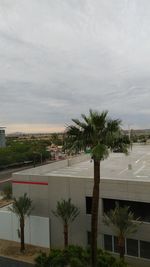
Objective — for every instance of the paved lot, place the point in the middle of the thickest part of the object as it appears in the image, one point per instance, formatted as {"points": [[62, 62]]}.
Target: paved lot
{"points": [[5, 262]]}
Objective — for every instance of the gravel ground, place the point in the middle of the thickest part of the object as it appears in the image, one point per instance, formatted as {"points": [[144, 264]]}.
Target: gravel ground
{"points": [[12, 249]]}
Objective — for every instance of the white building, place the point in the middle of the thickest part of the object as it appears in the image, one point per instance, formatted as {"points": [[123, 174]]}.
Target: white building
{"points": [[123, 178]]}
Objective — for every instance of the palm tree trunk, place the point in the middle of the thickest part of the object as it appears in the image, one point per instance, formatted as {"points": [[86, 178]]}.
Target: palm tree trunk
{"points": [[121, 252], [65, 235], [94, 218], [121, 247], [22, 247]]}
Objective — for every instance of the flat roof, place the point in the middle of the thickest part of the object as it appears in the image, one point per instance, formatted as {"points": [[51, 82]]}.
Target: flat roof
{"points": [[115, 167]]}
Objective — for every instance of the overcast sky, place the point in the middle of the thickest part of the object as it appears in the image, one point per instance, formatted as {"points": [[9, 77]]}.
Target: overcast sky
{"points": [[58, 58]]}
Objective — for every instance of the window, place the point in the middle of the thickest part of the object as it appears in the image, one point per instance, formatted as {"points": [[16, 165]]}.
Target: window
{"points": [[88, 237], [135, 248], [145, 249], [140, 209], [132, 247], [116, 244], [108, 242], [88, 205]]}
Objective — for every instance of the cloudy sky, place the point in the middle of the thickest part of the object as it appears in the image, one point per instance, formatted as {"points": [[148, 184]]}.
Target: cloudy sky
{"points": [[58, 58]]}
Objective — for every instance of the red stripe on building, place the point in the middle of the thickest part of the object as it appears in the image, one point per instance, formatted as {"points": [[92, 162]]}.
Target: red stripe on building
{"points": [[27, 182]]}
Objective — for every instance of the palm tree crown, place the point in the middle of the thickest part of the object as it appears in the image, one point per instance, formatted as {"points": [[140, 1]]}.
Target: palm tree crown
{"points": [[67, 212], [22, 206], [96, 131], [123, 222]]}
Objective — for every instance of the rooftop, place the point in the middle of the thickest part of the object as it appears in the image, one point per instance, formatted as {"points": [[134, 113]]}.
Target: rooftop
{"points": [[115, 167]]}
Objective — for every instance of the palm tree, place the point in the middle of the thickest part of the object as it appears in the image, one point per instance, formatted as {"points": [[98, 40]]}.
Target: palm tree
{"points": [[99, 133], [22, 207], [123, 222], [67, 212]]}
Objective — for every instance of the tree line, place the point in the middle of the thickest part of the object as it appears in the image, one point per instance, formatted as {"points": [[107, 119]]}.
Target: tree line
{"points": [[23, 152]]}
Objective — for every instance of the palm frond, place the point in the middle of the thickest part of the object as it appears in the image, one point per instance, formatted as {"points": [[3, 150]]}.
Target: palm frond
{"points": [[66, 211], [92, 130], [22, 206], [122, 220]]}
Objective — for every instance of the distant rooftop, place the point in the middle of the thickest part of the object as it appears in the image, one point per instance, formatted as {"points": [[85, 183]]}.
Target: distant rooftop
{"points": [[135, 166]]}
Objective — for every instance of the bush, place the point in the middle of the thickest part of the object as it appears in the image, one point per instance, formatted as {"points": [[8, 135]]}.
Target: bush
{"points": [[75, 256], [105, 259], [42, 260], [7, 191]]}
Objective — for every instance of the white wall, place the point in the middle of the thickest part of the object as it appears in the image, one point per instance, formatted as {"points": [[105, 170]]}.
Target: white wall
{"points": [[36, 229]]}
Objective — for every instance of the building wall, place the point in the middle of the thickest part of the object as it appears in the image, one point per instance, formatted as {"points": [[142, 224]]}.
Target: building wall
{"points": [[133, 191], [45, 197], [36, 229], [37, 189]]}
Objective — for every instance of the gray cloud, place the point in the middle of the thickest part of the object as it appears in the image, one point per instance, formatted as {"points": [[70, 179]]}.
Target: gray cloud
{"points": [[60, 58]]}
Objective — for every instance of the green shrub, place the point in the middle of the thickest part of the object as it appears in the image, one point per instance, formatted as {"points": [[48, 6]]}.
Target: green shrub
{"points": [[105, 259], [7, 191], [75, 256], [42, 260], [57, 258]]}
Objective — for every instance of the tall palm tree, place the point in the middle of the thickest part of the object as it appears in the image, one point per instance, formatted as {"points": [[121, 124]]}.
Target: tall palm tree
{"points": [[67, 212], [22, 207], [123, 222], [99, 133]]}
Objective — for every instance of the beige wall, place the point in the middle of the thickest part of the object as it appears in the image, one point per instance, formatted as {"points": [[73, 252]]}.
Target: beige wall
{"points": [[133, 191], [45, 199]]}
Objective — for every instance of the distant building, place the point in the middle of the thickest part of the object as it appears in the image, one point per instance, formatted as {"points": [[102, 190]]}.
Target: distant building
{"points": [[2, 137], [56, 152]]}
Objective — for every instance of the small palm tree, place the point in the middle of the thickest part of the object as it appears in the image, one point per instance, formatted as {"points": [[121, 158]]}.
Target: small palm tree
{"points": [[123, 222], [22, 207], [67, 212], [101, 134]]}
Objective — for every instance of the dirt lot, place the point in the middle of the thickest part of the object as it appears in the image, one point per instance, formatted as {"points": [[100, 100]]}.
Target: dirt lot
{"points": [[12, 249], [4, 202]]}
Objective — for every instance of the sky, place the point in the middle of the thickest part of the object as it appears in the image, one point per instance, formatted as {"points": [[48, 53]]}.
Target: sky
{"points": [[60, 58]]}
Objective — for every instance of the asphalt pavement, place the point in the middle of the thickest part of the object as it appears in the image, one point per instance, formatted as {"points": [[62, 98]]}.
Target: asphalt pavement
{"points": [[7, 262]]}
